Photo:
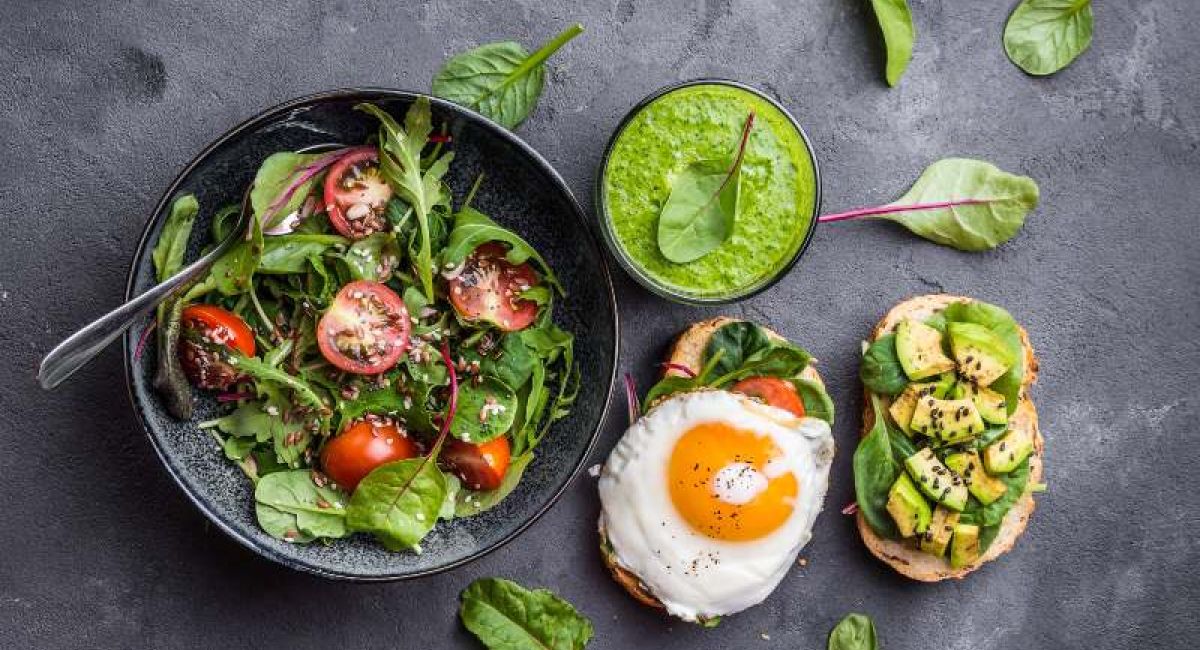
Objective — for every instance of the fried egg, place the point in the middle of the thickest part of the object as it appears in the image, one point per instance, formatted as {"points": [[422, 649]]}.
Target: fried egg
{"points": [[710, 496]]}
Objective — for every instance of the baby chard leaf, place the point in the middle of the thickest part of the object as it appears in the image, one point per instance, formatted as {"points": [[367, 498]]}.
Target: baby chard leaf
{"points": [[966, 204], [1045, 36], [505, 615], [500, 80], [855, 632], [698, 215], [289, 506], [398, 502], [895, 20]]}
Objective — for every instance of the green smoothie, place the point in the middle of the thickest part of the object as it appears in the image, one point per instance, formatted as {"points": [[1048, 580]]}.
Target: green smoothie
{"points": [[699, 122]]}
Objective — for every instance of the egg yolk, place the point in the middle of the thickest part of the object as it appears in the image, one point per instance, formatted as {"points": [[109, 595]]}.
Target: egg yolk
{"points": [[724, 485]]}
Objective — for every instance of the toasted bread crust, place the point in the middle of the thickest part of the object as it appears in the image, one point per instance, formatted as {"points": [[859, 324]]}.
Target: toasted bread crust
{"points": [[687, 352], [906, 558]]}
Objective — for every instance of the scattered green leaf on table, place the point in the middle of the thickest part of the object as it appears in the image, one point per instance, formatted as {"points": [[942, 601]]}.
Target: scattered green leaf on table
{"points": [[855, 632], [895, 20], [398, 502], [291, 507], [998, 204], [500, 80], [1045, 36], [506, 616], [699, 214]]}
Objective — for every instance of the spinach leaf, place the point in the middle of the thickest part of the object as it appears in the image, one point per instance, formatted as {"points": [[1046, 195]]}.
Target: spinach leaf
{"points": [[1045, 36], [874, 472], [237, 449], [473, 228], [506, 616], [421, 187], [1005, 326], [895, 21], [698, 215], [737, 342], [999, 203], [472, 502], [485, 411], [173, 239], [285, 254], [273, 177], [881, 371], [669, 385], [993, 513], [398, 502], [742, 349], [251, 419], [817, 403], [291, 507], [373, 257], [513, 364], [381, 401], [500, 80], [855, 632]]}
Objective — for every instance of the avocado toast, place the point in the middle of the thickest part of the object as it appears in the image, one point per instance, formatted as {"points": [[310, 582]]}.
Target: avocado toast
{"points": [[951, 454], [688, 368]]}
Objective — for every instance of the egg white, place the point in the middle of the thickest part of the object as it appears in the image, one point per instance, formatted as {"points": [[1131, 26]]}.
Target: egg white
{"points": [[693, 575]]}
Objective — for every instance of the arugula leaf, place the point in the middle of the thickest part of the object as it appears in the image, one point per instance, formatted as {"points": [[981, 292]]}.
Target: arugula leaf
{"points": [[855, 632], [259, 370], [875, 470], [1045, 36], [472, 502], [273, 177], [398, 502], [472, 422], [500, 80], [173, 239], [289, 506], [698, 215], [420, 187], [473, 228], [506, 616], [881, 371], [895, 21]]}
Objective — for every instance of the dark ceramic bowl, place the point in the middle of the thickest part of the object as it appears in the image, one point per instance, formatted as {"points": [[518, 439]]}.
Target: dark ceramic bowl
{"points": [[522, 192], [635, 271]]}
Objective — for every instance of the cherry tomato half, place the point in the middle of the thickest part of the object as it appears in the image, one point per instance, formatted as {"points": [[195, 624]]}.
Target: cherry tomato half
{"points": [[365, 330], [204, 328], [488, 288], [774, 391], [351, 455], [481, 467], [356, 194]]}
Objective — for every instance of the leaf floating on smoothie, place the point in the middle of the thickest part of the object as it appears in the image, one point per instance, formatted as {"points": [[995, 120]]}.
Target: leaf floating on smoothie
{"points": [[1045, 36], [966, 204], [895, 20], [500, 80], [699, 214]]}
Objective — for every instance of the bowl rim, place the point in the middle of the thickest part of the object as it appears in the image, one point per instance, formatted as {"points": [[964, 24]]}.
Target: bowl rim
{"points": [[367, 93], [618, 252]]}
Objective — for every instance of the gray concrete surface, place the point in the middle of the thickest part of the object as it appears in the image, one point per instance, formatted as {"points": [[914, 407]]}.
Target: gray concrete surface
{"points": [[100, 108]]}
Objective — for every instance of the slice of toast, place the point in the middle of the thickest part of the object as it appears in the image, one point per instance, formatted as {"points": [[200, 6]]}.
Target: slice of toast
{"points": [[904, 556], [687, 352]]}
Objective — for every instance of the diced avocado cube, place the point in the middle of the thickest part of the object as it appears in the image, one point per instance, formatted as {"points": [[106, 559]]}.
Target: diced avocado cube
{"points": [[964, 548], [951, 421], [981, 354], [992, 405], [936, 480], [919, 348], [1008, 451], [907, 507], [941, 527], [986, 488]]}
